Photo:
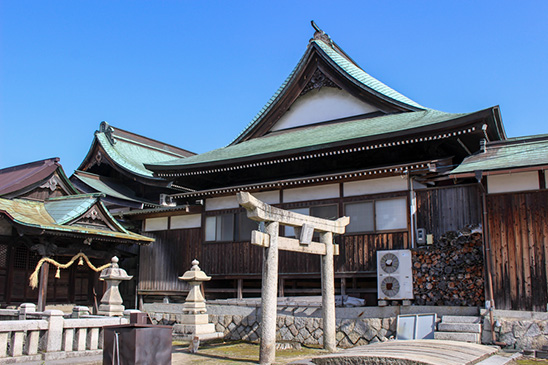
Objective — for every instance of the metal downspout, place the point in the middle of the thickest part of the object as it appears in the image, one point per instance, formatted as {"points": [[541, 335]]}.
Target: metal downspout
{"points": [[487, 255]]}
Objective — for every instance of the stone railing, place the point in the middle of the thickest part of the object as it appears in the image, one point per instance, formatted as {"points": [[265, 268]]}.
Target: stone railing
{"points": [[47, 336]]}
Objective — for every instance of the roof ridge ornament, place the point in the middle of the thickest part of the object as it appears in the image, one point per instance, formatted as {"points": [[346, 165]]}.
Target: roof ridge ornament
{"points": [[321, 35], [105, 128]]}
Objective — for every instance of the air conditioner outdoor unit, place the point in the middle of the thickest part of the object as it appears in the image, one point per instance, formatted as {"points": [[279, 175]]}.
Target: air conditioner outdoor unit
{"points": [[394, 275]]}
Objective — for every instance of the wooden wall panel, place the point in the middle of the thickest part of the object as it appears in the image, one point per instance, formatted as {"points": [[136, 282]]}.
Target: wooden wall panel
{"points": [[519, 244], [359, 252], [170, 256], [440, 210]]}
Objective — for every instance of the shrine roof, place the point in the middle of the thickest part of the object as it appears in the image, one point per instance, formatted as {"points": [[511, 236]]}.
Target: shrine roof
{"points": [[34, 214], [330, 52], [109, 187], [518, 152], [131, 151], [314, 137], [18, 177]]}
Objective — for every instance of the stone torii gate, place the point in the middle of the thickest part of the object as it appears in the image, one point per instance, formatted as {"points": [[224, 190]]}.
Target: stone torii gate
{"points": [[304, 226]]}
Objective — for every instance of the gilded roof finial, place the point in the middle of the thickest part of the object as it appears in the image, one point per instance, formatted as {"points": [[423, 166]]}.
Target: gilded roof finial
{"points": [[320, 34]]}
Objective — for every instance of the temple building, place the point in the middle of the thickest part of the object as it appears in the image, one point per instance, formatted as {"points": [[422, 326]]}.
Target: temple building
{"points": [[332, 141]]}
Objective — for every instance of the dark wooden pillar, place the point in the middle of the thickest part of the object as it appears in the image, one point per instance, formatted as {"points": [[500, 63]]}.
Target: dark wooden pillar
{"points": [[43, 287]]}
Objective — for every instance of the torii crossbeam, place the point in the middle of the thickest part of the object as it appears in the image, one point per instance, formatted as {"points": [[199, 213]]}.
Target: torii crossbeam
{"points": [[304, 226]]}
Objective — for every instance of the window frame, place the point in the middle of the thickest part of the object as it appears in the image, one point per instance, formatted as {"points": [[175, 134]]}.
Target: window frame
{"points": [[236, 227], [375, 230]]}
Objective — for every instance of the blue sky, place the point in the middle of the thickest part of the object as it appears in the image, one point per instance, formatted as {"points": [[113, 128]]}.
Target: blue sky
{"points": [[194, 73]]}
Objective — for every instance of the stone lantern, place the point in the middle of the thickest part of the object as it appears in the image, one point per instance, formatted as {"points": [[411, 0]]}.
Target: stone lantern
{"points": [[111, 303], [194, 318]]}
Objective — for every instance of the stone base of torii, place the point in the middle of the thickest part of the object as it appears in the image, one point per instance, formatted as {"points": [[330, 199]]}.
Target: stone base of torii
{"points": [[304, 227]]}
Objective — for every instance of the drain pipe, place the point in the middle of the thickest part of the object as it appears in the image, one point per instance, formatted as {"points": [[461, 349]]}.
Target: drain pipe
{"points": [[487, 255]]}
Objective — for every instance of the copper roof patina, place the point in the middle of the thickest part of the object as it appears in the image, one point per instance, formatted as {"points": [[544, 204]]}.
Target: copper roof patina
{"points": [[131, 151], [35, 214], [315, 137], [109, 187], [513, 153], [337, 58]]}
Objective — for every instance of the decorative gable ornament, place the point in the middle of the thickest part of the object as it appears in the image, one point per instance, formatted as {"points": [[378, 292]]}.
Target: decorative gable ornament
{"points": [[317, 81]]}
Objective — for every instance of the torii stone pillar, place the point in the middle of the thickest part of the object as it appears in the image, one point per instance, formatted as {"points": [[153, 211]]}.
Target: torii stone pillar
{"points": [[304, 228], [111, 302]]}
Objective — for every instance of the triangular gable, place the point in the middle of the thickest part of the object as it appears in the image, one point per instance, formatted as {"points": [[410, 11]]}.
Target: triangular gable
{"points": [[37, 180], [84, 210], [325, 75]]}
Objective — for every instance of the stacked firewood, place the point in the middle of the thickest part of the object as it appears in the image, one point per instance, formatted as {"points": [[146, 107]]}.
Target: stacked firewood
{"points": [[450, 272]]}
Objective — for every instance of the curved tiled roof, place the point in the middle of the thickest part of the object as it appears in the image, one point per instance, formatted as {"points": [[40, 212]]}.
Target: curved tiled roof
{"points": [[502, 155], [35, 215], [313, 137], [347, 67], [131, 151]]}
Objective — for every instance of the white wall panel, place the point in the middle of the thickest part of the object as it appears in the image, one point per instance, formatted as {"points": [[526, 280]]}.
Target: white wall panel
{"points": [[322, 105], [269, 197], [375, 186], [311, 193], [512, 182], [223, 202], [186, 221], [156, 224]]}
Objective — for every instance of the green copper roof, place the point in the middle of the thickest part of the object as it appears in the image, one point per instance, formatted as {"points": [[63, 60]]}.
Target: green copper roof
{"points": [[34, 214], [314, 137], [66, 209], [512, 153], [363, 77], [130, 151], [347, 68], [132, 156], [108, 187]]}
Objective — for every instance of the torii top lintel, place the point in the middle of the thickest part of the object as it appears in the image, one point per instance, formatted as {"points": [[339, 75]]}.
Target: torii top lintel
{"points": [[258, 210]]}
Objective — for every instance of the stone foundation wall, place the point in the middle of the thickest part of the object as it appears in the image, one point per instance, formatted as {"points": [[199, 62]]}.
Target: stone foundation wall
{"points": [[355, 326], [517, 329], [307, 330]]}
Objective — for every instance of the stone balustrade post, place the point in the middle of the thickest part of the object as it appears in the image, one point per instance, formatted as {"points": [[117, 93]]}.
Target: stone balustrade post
{"points": [[79, 311], [25, 309], [55, 330]]}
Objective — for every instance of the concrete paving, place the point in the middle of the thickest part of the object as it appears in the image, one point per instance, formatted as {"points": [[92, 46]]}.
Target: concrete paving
{"points": [[432, 352], [388, 353]]}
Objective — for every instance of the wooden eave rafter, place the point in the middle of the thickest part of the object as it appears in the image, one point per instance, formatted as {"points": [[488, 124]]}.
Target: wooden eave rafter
{"points": [[316, 59], [416, 168]]}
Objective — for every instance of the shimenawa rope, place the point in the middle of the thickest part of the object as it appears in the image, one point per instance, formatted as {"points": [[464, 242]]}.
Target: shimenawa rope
{"points": [[81, 255]]}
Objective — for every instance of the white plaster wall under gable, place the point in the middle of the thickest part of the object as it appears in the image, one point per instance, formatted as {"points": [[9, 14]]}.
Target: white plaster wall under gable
{"points": [[223, 202], [155, 224], [311, 193], [520, 181], [375, 186], [269, 197], [322, 105], [186, 221]]}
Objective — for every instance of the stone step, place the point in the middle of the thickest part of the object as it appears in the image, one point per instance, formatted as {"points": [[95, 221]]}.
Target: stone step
{"points": [[460, 319], [460, 327], [457, 336]]}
